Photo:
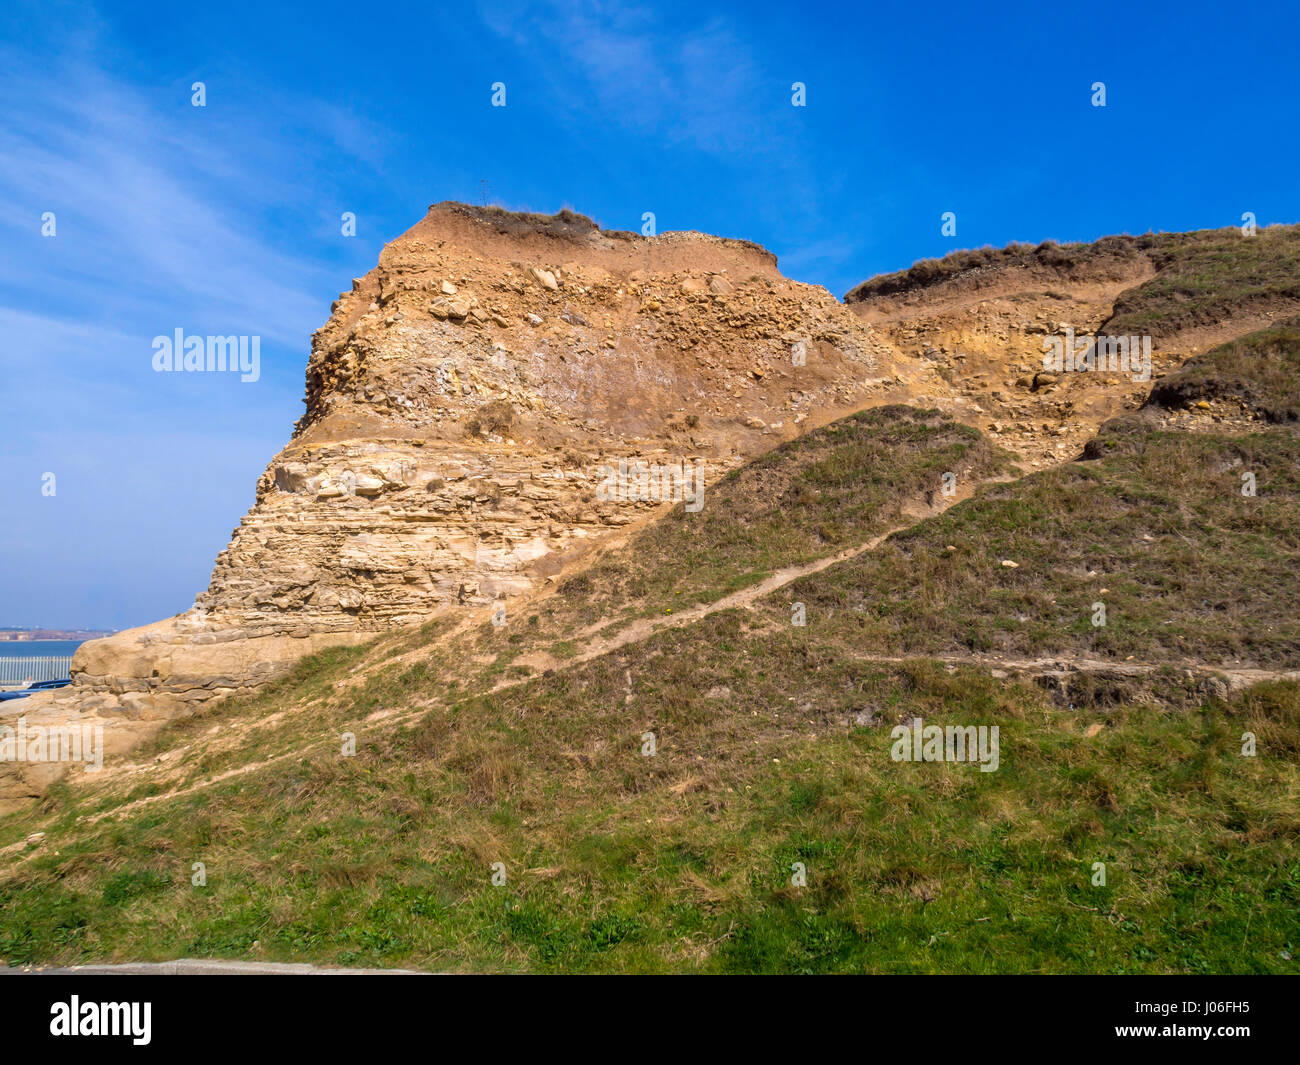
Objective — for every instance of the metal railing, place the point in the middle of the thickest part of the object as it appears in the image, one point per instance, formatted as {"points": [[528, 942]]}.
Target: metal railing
{"points": [[15, 671]]}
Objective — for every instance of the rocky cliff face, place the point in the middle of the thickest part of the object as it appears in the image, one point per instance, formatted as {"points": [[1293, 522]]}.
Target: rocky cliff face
{"points": [[464, 395], [463, 404], [467, 396]]}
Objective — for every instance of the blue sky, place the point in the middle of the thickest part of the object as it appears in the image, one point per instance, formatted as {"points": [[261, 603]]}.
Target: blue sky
{"points": [[225, 219]]}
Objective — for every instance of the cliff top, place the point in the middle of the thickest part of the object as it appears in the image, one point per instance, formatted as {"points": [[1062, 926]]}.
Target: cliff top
{"points": [[498, 233]]}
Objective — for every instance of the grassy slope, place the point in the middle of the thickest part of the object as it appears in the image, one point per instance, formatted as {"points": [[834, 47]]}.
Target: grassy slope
{"points": [[682, 861], [773, 748], [1157, 529], [1186, 566], [831, 489], [1207, 276], [1262, 370], [1202, 277]]}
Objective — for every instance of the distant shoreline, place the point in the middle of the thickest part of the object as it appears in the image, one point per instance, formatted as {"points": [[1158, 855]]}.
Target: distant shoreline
{"points": [[34, 635]]}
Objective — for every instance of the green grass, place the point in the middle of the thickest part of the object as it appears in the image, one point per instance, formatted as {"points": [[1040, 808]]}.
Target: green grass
{"points": [[1154, 526], [1261, 369], [682, 862], [1158, 531], [1206, 277], [1202, 277], [773, 748], [833, 488]]}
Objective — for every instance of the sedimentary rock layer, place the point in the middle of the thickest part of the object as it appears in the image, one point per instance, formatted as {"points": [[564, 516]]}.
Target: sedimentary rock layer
{"points": [[465, 393], [464, 402]]}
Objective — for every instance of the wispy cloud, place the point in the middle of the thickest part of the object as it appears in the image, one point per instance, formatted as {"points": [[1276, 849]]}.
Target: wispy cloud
{"points": [[698, 84], [167, 216], [706, 92], [141, 219]]}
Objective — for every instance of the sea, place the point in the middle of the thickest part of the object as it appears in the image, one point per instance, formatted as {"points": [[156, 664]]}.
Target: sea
{"points": [[38, 648]]}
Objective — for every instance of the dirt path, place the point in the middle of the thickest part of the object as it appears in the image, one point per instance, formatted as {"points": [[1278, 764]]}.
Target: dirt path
{"points": [[1053, 667], [1062, 666], [644, 628], [1058, 667], [918, 510]]}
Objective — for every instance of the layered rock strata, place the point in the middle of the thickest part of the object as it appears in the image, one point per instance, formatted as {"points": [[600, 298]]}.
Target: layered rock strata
{"points": [[465, 402]]}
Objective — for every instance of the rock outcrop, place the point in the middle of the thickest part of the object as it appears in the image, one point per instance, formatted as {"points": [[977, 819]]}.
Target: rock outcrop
{"points": [[461, 404], [465, 393], [467, 398]]}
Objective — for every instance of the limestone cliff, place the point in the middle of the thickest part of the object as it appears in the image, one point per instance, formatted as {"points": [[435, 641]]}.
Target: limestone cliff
{"points": [[460, 404], [464, 393]]}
